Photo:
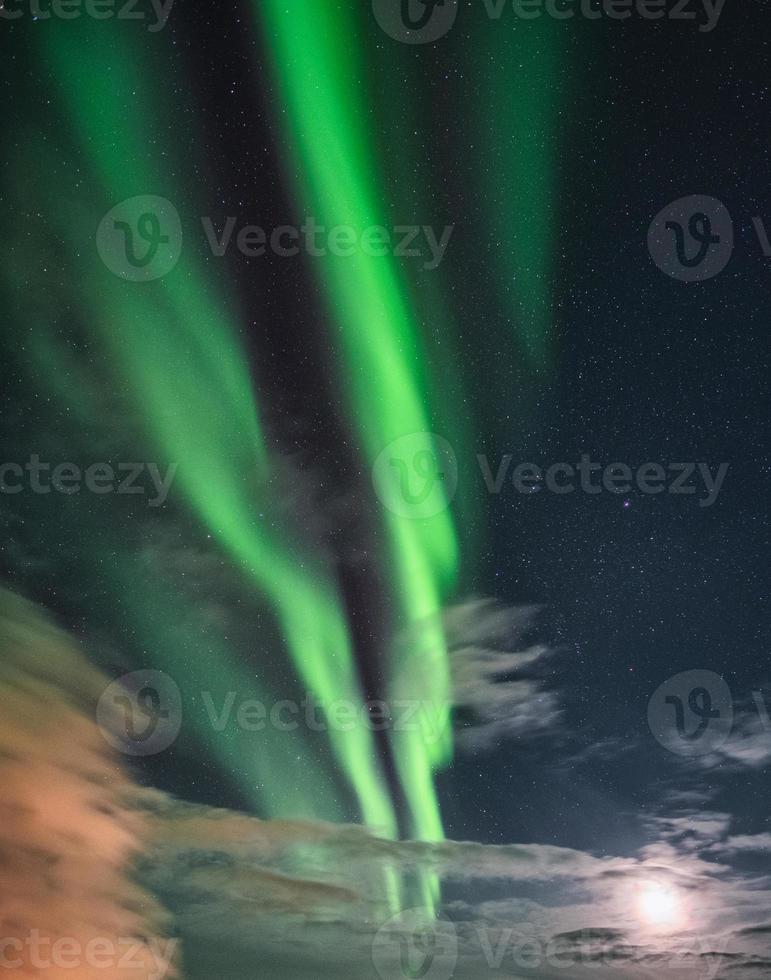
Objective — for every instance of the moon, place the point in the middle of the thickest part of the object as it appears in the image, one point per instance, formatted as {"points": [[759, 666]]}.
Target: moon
{"points": [[661, 907]]}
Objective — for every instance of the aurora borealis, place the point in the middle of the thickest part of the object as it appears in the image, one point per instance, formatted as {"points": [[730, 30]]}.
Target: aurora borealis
{"points": [[380, 356], [306, 329], [184, 326], [182, 322]]}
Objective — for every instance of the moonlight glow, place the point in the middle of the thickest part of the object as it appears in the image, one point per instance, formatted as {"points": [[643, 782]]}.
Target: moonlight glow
{"points": [[661, 907]]}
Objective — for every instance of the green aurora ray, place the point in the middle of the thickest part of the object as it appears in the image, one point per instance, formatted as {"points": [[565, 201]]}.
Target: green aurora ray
{"points": [[321, 77], [173, 348]]}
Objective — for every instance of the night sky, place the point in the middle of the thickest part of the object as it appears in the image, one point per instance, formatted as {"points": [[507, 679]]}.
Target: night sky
{"points": [[279, 565]]}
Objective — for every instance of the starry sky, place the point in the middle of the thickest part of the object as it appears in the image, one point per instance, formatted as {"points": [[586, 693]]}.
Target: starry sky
{"points": [[539, 624]]}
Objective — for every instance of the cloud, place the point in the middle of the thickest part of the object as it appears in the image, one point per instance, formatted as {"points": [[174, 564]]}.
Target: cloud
{"points": [[292, 898], [691, 830], [749, 744], [499, 684], [295, 893], [67, 838], [743, 843]]}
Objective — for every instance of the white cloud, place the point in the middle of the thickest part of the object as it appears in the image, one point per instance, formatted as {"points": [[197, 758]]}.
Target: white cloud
{"points": [[498, 678], [295, 893]]}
